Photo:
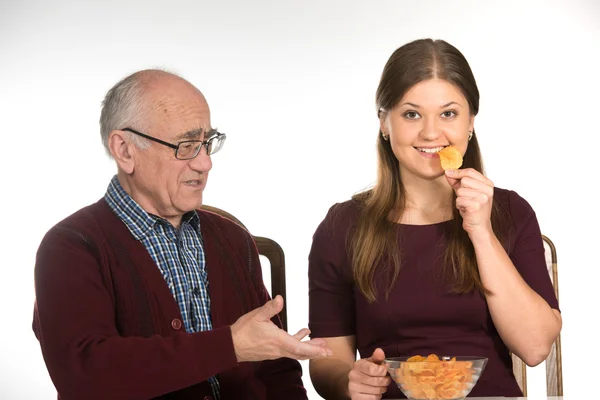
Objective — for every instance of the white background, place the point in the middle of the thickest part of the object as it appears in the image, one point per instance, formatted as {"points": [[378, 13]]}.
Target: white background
{"points": [[293, 85]]}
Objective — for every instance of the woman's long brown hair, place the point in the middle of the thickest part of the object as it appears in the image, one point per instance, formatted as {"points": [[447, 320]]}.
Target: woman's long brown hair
{"points": [[375, 235]]}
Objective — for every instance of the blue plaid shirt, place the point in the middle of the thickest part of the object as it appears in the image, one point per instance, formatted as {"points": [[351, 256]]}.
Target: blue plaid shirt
{"points": [[178, 254]]}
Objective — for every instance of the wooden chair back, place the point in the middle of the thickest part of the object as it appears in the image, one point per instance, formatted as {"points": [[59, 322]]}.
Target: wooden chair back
{"points": [[273, 252], [554, 384]]}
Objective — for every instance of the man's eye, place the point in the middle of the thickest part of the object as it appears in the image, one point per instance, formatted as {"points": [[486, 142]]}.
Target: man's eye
{"points": [[185, 149]]}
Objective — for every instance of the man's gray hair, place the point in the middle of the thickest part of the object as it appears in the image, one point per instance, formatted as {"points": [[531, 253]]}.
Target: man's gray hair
{"points": [[122, 107]]}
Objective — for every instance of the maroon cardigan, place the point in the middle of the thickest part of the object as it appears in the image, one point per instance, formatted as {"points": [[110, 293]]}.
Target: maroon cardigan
{"points": [[109, 327]]}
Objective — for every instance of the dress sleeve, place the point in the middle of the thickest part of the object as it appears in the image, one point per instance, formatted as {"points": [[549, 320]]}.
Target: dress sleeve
{"points": [[527, 253], [331, 289]]}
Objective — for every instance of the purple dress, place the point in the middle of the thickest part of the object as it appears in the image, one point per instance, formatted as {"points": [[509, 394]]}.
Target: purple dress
{"points": [[421, 316]]}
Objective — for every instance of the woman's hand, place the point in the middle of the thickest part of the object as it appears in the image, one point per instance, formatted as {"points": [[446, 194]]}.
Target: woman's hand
{"points": [[368, 379], [474, 198]]}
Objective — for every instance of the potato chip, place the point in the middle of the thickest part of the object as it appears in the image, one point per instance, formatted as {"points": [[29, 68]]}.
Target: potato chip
{"points": [[450, 158]]}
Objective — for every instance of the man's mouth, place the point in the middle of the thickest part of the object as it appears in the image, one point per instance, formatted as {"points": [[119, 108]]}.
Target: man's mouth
{"points": [[193, 183]]}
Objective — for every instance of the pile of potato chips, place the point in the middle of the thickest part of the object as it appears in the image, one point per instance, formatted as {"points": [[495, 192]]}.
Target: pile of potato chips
{"points": [[432, 378]]}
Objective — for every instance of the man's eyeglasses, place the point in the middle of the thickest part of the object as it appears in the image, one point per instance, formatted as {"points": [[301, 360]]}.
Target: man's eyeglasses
{"points": [[189, 149]]}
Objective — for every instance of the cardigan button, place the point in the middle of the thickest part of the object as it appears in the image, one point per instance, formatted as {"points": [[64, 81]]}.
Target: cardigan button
{"points": [[176, 324]]}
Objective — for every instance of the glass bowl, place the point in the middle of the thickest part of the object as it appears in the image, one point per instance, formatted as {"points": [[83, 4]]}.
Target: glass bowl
{"points": [[435, 378]]}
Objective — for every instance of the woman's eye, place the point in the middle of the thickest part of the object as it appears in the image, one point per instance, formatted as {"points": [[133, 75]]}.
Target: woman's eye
{"points": [[449, 114], [411, 115]]}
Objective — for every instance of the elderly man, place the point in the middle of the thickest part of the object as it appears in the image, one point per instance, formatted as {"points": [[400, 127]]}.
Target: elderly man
{"points": [[141, 295]]}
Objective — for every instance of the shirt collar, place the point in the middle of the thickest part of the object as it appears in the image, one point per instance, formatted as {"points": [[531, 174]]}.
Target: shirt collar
{"points": [[193, 219], [138, 221]]}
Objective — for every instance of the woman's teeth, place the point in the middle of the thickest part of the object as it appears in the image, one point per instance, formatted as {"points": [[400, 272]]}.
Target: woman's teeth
{"points": [[430, 151]]}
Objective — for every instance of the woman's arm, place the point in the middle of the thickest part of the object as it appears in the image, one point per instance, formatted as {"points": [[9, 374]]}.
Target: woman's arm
{"points": [[329, 375], [341, 377], [524, 320]]}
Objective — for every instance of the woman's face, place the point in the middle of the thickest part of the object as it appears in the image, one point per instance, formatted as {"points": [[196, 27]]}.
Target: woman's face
{"points": [[433, 114]]}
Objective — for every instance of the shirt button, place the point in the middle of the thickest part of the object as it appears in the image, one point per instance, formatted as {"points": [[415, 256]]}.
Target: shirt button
{"points": [[176, 324], [196, 291]]}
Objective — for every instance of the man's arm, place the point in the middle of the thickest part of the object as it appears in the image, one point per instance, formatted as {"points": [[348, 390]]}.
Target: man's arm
{"points": [[84, 354]]}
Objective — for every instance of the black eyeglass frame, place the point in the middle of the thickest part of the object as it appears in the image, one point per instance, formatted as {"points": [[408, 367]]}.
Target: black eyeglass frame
{"points": [[203, 143]]}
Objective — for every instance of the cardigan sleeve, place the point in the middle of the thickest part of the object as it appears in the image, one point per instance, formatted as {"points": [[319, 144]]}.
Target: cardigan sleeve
{"points": [[74, 320]]}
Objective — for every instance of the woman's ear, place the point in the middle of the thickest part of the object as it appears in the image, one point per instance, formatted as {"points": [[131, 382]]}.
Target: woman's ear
{"points": [[383, 125], [472, 123]]}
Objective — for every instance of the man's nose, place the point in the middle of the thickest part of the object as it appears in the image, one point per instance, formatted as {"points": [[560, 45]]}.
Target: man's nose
{"points": [[202, 162]]}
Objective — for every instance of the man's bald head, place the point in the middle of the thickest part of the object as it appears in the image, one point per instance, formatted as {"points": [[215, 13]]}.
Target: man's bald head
{"points": [[138, 99]]}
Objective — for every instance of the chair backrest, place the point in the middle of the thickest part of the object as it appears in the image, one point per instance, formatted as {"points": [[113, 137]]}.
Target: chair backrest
{"points": [[554, 385], [274, 253]]}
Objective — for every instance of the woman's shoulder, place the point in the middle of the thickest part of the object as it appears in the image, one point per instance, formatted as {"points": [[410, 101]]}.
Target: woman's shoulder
{"points": [[512, 202], [340, 218], [348, 209], [516, 213]]}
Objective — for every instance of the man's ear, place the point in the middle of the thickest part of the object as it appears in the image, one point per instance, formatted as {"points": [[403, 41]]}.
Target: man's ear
{"points": [[122, 150]]}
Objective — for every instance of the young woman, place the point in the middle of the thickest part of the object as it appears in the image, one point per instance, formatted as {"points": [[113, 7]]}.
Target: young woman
{"points": [[428, 261]]}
